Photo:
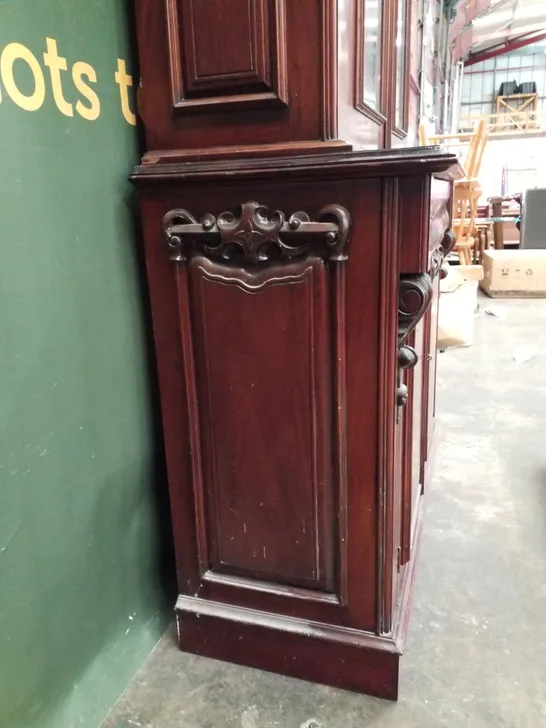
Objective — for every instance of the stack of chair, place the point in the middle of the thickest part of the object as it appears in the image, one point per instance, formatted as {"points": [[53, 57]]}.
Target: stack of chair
{"points": [[467, 191]]}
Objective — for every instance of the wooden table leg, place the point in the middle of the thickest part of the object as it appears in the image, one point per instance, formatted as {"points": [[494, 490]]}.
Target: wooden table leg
{"points": [[484, 244], [477, 247]]}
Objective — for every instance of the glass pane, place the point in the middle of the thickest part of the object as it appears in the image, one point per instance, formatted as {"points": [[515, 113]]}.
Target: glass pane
{"points": [[372, 52], [400, 63]]}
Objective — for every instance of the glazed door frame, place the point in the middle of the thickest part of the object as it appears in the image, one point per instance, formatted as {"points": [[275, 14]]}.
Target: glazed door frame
{"points": [[384, 116]]}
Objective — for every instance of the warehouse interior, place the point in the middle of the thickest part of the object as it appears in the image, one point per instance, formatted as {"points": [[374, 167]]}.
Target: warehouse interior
{"points": [[398, 135]]}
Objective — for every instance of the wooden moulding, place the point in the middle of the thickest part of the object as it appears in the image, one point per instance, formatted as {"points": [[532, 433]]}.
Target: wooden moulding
{"points": [[329, 654], [170, 156], [345, 165]]}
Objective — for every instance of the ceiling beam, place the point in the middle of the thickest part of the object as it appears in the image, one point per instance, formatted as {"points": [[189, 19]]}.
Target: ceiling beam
{"points": [[487, 11], [506, 46], [501, 35]]}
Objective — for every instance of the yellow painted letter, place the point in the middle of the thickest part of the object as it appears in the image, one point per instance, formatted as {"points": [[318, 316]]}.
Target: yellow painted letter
{"points": [[124, 81], [56, 64], [92, 111], [12, 53]]}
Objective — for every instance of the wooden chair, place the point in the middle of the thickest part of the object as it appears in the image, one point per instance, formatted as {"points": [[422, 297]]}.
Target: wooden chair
{"points": [[467, 191], [465, 203], [474, 142]]}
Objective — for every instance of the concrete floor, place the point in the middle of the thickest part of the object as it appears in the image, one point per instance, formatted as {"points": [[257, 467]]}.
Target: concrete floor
{"points": [[476, 652]]}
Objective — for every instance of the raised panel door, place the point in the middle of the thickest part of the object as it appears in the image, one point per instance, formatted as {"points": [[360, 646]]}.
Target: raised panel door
{"points": [[263, 369], [261, 308], [226, 54], [245, 77]]}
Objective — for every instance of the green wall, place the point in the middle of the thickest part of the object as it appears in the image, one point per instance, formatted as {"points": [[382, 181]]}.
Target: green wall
{"points": [[84, 534]]}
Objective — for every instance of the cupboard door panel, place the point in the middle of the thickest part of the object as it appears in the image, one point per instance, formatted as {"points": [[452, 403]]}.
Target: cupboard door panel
{"points": [[263, 372], [219, 52], [418, 417], [429, 395], [412, 448], [415, 224], [226, 53]]}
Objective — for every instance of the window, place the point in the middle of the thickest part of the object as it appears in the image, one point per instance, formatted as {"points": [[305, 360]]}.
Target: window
{"points": [[372, 52], [399, 115]]}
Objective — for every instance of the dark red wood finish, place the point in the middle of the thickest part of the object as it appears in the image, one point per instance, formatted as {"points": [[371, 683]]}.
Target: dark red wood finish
{"points": [[217, 64], [206, 83], [285, 443], [282, 366], [217, 74], [294, 288]]}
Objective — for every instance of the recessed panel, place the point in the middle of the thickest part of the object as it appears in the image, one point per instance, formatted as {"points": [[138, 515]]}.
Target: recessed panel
{"points": [[226, 52], [224, 45], [264, 388]]}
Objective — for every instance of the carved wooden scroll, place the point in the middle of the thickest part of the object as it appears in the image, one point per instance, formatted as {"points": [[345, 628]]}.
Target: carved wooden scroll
{"points": [[440, 254], [414, 297], [257, 235]]}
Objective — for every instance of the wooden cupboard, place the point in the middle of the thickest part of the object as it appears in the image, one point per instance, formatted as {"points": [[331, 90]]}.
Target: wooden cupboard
{"points": [[293, 260]]}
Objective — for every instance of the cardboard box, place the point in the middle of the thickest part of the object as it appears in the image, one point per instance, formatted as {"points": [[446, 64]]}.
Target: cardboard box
{"points": [[510, 233], [456, 314], [468, 272], [514, 273]]}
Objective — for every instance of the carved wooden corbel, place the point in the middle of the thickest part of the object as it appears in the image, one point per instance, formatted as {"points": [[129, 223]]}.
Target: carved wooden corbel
{"points": [[256, 235], [440, 254], [414, 297]]}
